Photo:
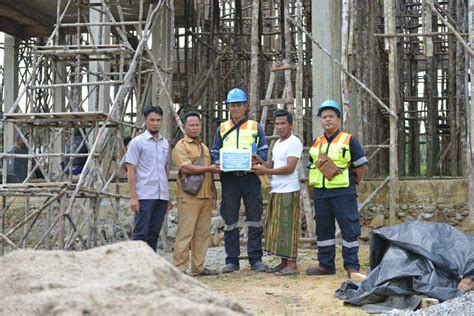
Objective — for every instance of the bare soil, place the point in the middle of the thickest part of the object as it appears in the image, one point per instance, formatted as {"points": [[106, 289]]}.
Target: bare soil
{"points": [[266, 294]]}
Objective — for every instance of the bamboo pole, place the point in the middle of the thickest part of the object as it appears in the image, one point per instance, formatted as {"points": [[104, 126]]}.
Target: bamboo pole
{"points": [[253, 80], [167, 95], [268, 96], [4, 238], [346, 13], [298, 123], [393, 90], [470, 119], [102, 133], [453, 30], [350, 75], [38, 213], [428, 27], [29, 156], [423, 34], [39, 61], [76, 84]]}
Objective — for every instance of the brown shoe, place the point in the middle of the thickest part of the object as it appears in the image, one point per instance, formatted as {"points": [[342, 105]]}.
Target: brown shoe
{"points": [[318, 270]]}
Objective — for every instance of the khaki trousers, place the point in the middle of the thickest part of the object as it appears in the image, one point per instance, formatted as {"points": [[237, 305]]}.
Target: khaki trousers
{"points": [[193, 233]]}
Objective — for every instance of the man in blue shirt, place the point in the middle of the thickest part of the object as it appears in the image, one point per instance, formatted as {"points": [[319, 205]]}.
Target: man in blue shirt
{"points": [[241, 133]]}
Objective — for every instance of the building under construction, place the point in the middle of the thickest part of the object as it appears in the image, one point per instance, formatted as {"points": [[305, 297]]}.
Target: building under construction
{"points": [[87, 68]]}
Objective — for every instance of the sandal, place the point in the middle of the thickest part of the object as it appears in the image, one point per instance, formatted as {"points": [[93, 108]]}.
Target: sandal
{"points": [[286, 272], [275, 269]]}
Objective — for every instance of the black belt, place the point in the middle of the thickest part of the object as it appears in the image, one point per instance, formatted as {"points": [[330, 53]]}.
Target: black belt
{"points": [[238, 173]]}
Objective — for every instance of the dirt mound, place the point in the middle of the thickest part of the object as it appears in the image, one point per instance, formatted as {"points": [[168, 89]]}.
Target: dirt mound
{"points": [[124, 278]]}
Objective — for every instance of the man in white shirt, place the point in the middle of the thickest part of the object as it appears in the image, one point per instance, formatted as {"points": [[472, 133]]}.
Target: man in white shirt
{"points": [[282, 219]]}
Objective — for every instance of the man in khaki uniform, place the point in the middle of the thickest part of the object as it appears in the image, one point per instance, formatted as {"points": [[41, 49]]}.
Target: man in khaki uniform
{"points": [[194, 212]]}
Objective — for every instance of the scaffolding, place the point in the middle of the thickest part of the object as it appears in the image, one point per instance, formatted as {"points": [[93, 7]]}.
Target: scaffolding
{"points": [[403, 67], [67, 73]]}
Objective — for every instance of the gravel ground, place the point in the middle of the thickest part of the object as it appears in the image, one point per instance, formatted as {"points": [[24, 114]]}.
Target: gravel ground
{"points": [[215, 258], [461, 306]]}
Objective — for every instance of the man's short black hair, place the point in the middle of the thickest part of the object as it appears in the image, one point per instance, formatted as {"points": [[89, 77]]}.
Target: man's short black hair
{"points": [[283, 112], [152, 109], [184, 118]]}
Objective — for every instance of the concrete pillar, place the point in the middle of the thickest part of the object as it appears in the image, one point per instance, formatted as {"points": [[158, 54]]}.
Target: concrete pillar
{"points": [[10, 79], [99, 100], [163, 50], [326, 22]]}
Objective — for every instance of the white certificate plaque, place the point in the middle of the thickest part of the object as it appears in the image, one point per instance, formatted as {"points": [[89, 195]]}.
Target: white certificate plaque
{"points": [[235, 159]]}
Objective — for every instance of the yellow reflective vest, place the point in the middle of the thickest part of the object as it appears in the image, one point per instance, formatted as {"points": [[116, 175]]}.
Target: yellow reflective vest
{"points": [[338, 151], [240, 138]]}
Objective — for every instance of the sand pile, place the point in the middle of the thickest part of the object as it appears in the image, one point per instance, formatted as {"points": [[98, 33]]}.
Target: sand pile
{"points": [[124, 278]]}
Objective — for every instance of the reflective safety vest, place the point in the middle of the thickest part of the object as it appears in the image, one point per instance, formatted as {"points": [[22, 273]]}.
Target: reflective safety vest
{"points": [[240, 138], [338, 151]]}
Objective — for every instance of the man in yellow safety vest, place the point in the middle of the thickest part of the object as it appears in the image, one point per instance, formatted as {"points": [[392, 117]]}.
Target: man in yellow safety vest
{"points": [[338, 165], [241, 133]]}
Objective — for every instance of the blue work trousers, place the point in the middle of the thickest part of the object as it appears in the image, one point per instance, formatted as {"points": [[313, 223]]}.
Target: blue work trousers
{"points": [[246, 185], [148, 222], [343, 209]]}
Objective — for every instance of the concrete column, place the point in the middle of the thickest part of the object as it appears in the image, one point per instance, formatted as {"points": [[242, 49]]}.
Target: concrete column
{"points": [[163, 51], [10, 79], [99, 100], [326, 21]]}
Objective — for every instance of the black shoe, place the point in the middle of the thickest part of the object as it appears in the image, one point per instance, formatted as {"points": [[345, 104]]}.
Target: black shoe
{"points": [[319, 271], [258, 266], [207, 272], [230, 267]]}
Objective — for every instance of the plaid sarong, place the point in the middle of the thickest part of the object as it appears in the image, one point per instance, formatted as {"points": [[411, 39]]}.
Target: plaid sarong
{"points": [[282, 225]]}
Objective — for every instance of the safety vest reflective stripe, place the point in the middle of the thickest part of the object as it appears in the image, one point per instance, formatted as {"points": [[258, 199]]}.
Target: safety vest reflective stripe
{"points": [[339, 153]]}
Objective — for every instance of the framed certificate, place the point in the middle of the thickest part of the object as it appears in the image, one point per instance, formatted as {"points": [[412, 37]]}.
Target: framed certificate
{"points": [[235, 159]]}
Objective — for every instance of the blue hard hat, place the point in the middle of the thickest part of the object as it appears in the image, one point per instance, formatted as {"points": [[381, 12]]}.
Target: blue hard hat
{"points": [[236, 95], [330, 104]]}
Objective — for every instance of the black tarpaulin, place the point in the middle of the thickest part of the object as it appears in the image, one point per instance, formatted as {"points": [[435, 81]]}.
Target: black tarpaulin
{"points": [[411, 261]]}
